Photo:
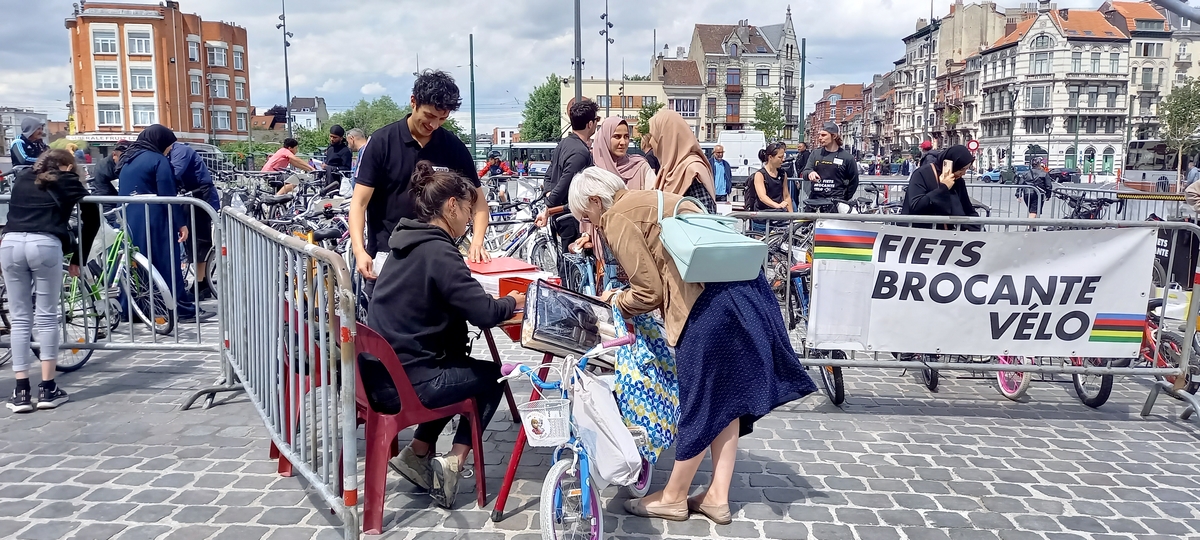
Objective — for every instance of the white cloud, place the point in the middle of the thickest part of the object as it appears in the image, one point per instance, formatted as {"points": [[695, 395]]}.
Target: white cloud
{"points": [[332, 85], [373, 88], [44, 89]]}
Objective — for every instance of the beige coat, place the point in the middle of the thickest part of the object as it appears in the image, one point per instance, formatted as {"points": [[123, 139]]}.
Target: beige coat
{"points": [[631, 229]]}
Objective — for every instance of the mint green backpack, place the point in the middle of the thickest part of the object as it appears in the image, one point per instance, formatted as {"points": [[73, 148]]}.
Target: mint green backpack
{"points": [[707, 248]]}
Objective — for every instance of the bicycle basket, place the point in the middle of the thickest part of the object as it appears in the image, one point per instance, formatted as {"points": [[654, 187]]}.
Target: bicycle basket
{"points": [[547, 422]]}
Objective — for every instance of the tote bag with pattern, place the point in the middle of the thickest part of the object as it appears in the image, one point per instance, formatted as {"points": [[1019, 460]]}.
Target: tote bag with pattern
{"points": [[646, 385]]}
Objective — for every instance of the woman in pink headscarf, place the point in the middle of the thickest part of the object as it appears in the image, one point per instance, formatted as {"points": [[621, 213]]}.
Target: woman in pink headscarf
{"points": [[610, 151]]}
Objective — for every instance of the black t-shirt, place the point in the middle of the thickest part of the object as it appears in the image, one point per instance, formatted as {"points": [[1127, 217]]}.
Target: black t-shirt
{"points": [[387, 165]]}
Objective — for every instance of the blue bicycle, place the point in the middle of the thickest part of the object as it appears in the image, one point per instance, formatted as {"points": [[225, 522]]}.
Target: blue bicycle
{"points": [[570, 499]]}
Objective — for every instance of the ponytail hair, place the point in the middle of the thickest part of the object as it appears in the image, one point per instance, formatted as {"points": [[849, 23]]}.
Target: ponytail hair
{"points": [[430, 189], [770, 150], [47, 165]]}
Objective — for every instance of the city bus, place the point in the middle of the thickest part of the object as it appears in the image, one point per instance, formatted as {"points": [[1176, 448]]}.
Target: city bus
{"points": [[1151, 166]]}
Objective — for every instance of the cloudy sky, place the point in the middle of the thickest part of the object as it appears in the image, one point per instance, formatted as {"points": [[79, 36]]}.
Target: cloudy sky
{"points": [[347, 51]]}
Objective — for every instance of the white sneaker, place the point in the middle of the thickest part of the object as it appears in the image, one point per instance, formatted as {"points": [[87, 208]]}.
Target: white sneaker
{"points": [[446, 470], [413, 468]]}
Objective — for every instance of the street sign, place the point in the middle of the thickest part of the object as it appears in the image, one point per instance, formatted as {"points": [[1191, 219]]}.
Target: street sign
{"points": [[973, 145]]}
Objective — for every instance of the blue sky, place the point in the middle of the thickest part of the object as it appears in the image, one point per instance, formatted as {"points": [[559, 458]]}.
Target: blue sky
{"points": [[347, 51]]}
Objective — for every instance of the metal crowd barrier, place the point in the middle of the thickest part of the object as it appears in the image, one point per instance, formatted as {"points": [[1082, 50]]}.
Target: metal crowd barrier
{"points": [[1158, 385], [122, 301], [288, 332]]}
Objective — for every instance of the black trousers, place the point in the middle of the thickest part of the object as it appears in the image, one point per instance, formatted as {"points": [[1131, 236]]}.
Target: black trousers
{"points": [[451, 381]]}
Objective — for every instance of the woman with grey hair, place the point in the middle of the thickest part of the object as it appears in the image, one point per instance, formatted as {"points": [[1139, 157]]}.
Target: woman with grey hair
{"points": [[734, 360]]}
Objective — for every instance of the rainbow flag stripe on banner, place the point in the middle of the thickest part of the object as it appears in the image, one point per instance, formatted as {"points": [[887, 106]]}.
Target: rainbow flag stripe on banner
{"points": [[1118, 327], [843, 244]]}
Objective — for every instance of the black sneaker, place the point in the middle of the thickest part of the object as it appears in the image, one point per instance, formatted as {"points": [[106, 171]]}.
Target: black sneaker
{"points": [[49, 399], [201, 315], [20, 403]]}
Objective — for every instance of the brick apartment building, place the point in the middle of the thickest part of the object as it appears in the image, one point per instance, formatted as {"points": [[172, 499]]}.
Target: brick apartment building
{"points": [[839, 104], [141, 64]]}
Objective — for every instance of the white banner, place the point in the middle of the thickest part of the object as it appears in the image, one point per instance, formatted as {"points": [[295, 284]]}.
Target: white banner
{"points": [[1057, 293]]}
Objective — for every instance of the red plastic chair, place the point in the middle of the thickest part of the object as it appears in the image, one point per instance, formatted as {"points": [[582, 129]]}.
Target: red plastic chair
{"points": [[382, 429]]}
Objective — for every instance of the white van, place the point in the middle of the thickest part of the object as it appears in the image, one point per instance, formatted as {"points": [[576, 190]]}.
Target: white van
{"points": [[741, 151]]}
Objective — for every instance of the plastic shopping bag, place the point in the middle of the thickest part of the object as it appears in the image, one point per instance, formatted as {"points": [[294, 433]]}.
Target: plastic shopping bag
{"points": [[646, 385], [611, 448]]}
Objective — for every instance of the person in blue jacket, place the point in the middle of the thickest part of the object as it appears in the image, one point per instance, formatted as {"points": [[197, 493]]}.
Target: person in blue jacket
{"points": [[193, 180], [26, 149], [722, 173], [156, 229]]}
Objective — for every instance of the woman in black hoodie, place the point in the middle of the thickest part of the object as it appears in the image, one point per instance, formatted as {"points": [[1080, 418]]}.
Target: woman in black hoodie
{"points": [[937, 189], [36, 239], [424, 298]]}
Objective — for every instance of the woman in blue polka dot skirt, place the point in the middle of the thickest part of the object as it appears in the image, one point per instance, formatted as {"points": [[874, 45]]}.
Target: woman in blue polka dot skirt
{"points": [[734, 360]]}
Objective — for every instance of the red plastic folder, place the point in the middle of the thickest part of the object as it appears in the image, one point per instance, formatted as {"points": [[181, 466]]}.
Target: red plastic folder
{"points": [[502, 265]]}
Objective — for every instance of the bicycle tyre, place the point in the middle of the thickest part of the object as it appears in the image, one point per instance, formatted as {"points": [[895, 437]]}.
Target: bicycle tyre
{"points": [[1172, 348], [1013, 384], [641, 487], [1087, 396], [833, 384], [542, 254], [559, 508], [138, 277], [1159, 275], [79, 324]]}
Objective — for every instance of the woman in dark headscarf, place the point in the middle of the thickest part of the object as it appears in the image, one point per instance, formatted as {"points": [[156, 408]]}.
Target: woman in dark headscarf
{"points": [[937, 189], [145, 170]]}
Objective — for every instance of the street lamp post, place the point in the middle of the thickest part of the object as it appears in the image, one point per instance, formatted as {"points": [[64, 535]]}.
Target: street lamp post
{"points": [[1012, 123], [287, 84], [1049, 131], [474, 141], [1078, 164], [578, 60], [608, 40]]}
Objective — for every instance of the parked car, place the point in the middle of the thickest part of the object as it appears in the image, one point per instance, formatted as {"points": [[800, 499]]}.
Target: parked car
{"points": [[1064, 175], [996, 175]]}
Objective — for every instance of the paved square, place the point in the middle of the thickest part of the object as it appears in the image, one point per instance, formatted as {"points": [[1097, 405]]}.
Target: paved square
{"points": [[121, 461]]}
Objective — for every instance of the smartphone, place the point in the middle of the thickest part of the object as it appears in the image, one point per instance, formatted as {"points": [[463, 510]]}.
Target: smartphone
{"points": [[947, 165]]}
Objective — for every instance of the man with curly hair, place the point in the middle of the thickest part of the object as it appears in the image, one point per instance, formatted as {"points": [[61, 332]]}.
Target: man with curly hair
{"points": [[381, 197]]}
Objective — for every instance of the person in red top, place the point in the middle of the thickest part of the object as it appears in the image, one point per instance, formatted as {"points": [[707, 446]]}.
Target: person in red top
{"points": [[494, 166]]}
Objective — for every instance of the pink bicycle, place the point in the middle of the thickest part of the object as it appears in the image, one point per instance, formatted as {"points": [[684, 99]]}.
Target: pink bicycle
{"points": [[1014, 384]]}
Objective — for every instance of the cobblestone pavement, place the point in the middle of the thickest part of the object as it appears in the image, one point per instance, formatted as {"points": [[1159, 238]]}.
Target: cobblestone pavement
{"points": [[121, 461]]}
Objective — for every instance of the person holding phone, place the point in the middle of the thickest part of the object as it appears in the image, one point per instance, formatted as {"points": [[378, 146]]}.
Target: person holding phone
{"points": [[938, 189]]}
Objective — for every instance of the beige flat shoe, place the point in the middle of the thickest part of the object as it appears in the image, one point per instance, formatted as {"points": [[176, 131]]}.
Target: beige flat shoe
{"points": [[719, 514], [673, 512]]}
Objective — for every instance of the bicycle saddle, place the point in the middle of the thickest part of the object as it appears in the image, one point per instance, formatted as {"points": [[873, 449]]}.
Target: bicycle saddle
{"points": [[817, 203], [277, 199], [326, 234], [871, 188]]}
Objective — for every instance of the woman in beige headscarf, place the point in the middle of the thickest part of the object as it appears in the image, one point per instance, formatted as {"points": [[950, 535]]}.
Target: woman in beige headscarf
{"points": [[683, 167], [610, 151]]}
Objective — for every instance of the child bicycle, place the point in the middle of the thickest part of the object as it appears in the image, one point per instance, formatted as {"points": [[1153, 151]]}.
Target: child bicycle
{"points": [[570, 498]]}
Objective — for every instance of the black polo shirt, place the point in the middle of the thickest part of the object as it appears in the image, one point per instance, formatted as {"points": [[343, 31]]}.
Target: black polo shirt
{"points": [[387, 164]]}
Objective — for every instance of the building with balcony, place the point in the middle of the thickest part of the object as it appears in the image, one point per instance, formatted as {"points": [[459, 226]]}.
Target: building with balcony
{"points": [[1185, 46], [1061, 76], [838, 104], [931, 53], [1150, 59], [740, 63], [142, 64], [682, 87]]}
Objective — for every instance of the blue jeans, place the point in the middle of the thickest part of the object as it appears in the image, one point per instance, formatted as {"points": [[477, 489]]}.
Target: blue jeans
{"points": [[33, 270]]}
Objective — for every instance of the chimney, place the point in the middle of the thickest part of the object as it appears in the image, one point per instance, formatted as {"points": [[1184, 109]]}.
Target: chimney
{"points": [[680, 53], [1064, 14]]}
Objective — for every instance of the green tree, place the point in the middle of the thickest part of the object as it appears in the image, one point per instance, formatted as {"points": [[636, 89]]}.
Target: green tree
{"points": [[1180, 115], [768, 118], [542, 117], [369, 116], [312, 140], [643, 123]]}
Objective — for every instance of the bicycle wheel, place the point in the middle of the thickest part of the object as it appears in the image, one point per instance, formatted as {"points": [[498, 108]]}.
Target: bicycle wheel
{"points": [[1172, 348], [929, 376], [831, 378], [640, 488], [1159, 275], [150, 299], [561, 508], [79, 324], [542, 254], [1093, 390], [1014, 384]]}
